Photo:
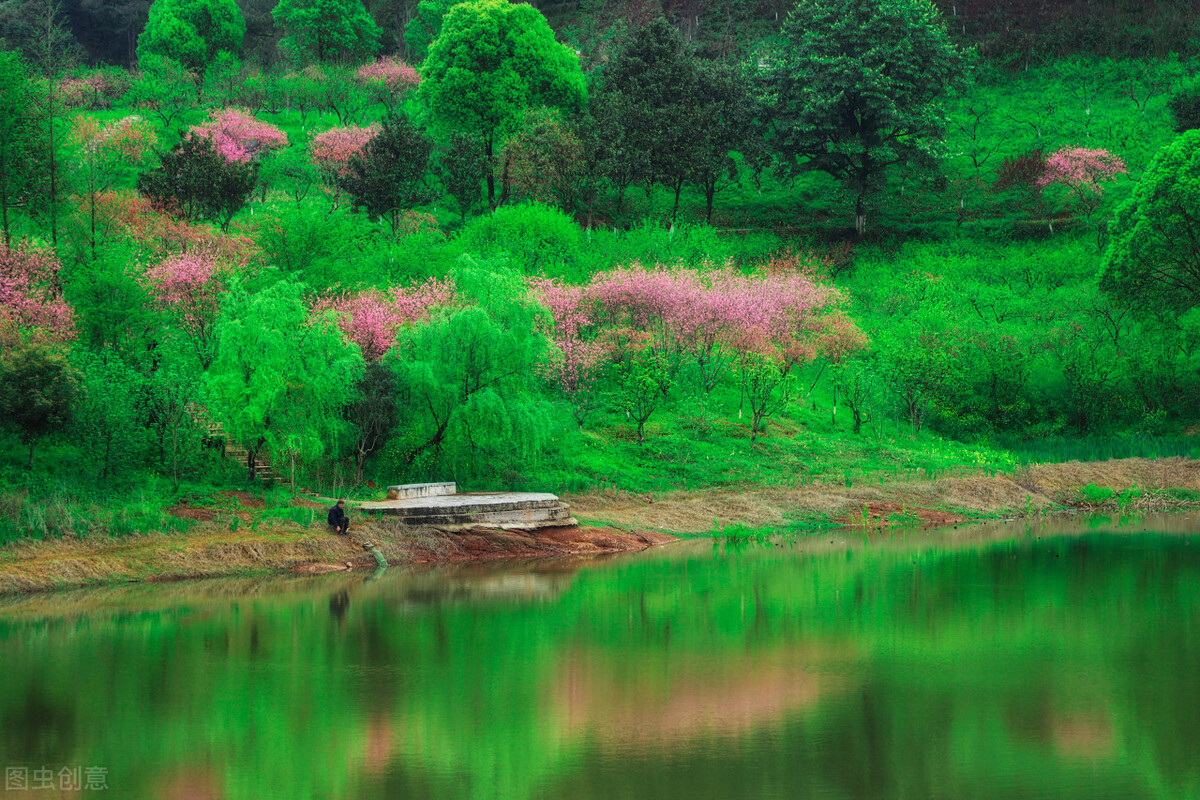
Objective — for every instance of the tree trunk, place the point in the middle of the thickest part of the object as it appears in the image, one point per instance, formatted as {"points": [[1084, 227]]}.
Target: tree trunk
{"points": [[252, 457], [491, 178], [678, 189], [30, 465], [504, 183], [4, 211], [53, 171], [93, 221], [860, 217]]}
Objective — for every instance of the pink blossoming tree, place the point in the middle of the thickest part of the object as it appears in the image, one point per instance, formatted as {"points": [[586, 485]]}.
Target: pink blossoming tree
{"points": [[389, 79], [764, 324], [1082, 171], [371, 318], [577, 364], [332, 150], [188, 286], [31, 304], [239, 136]]}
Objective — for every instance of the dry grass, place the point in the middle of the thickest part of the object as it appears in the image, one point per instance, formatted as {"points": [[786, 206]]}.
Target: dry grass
{"points": [[1040, 486]]}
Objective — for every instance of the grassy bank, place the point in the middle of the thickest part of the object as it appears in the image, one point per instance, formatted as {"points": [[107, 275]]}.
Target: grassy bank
{"points": [[1132, 485]]}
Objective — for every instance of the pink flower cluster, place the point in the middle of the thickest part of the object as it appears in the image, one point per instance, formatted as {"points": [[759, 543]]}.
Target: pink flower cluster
{"points": [[127, 139], [785, 316], [187, 284], [94, 90], [31, 305], [1081, 169], [136, 217], [332, 150], [391, 74], [239, 136], [372, 318]]}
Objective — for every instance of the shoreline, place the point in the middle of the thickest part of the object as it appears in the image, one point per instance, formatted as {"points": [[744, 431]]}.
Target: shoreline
{"points": [[624, 523]]}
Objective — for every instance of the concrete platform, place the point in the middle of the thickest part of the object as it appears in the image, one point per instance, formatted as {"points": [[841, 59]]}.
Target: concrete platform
{"points": [[515, 510]]}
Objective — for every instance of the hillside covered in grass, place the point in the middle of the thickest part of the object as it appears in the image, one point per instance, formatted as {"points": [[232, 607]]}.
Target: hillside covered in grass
{"points": [[576, 248]]}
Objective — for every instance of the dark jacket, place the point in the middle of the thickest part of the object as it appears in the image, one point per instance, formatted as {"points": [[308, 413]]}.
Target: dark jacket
{"points": [[337, 515]]}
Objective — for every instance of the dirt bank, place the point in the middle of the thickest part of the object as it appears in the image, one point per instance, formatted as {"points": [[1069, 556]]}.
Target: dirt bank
{"points": [[939, 502], [209, 551]]}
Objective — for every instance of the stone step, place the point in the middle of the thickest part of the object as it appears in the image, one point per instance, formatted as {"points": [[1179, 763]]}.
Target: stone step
{"points": [[518, 510], [408, 491], [557, 514], [474, 505]]}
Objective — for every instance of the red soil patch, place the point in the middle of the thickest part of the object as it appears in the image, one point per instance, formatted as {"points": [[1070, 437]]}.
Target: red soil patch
{"points": [[246, 499], [886, 515], [488, 544], [304, 502], [195, 513]]}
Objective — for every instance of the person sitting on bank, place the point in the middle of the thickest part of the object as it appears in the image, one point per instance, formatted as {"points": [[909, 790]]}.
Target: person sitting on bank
{"points": [[338, 519]]}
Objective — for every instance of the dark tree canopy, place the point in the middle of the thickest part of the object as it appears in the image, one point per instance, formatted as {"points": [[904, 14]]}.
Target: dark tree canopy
{"points": [[326, 30], [38, 392], [388, 177], [192, 32], [196, 182], [463, 167], [857, 88], [678, 116], [1185, 105]]}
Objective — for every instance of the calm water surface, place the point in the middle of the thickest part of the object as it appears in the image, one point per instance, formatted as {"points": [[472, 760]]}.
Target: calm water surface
{"points": [[1003, 662]]}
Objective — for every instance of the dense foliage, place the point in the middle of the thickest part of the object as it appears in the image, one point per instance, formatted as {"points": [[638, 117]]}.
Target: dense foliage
{"points": [[288, 250], [192, 32]]}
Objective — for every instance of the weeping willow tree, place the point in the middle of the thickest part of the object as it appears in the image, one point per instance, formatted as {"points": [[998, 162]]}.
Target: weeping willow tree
{"points": [[468, 385], [280, 380]]}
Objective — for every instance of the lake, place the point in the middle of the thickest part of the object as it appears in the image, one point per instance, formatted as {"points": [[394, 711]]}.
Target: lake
{"points": [[1008, 661]]}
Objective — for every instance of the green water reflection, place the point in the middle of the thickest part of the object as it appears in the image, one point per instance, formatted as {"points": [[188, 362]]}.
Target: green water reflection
{"points": [[982, 663]]}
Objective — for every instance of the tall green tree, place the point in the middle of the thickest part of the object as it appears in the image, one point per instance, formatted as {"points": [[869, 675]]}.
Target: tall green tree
{"points": [[279, 379], [648, 88], [858, 86], [39, 391], [53, 58], [467, 383], [679, 118], [1153, 256], [192, 32], [22, 151], [425, 26], [726, 109], [326, 30], [493, 61]]}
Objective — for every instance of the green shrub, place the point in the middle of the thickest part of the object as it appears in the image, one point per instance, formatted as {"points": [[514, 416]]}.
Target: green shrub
{"points": [[1097, 494], [1185, 105], [536, 238]]}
